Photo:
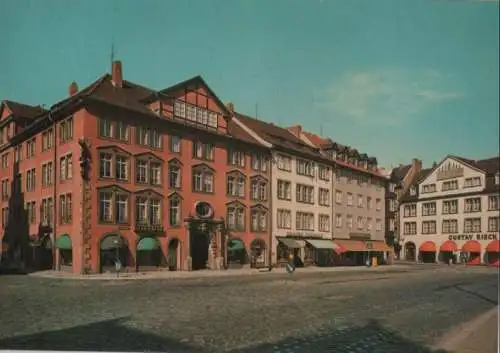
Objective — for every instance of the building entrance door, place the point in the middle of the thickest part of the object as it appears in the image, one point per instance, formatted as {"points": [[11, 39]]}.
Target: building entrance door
{"points": [[199, 243]]}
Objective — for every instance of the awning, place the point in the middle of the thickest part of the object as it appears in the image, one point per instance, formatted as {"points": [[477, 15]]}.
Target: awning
{"points": [[345, 245], [112, 241], [292, 243], [378, 246], [428, 246], [448, 246], [493, 246], [63, 242], [321, 243], [148, 244], [471, 246], [235, 245]]}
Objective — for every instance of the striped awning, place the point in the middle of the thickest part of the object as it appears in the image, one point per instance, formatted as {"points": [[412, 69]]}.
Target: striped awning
{"points": [[321, 243], [292, 243]]}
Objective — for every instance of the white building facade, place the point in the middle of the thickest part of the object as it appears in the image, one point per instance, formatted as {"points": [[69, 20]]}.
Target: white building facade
{"points": [[453, 213]]}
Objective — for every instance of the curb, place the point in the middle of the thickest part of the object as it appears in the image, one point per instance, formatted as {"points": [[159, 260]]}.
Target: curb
{"points": [[465, 337], [166, 275]]}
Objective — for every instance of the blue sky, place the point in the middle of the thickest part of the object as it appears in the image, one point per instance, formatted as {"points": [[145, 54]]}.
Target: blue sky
{"points": [[395, 79]]}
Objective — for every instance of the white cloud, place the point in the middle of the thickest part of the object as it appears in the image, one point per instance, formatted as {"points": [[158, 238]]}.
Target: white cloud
{"points": [[385, 96]]}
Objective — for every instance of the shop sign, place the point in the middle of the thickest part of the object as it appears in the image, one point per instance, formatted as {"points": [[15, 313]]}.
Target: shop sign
{"points": [[483, 236]]}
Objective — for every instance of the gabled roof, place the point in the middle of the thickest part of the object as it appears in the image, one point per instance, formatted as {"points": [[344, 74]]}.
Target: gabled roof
{"points": [[399, 173], [23, 110]]}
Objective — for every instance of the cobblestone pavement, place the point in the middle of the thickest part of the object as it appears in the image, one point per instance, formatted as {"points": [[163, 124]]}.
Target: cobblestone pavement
{"points": [[405, 310]]}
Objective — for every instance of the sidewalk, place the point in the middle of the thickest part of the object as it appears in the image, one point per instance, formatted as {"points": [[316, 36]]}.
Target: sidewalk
{"points": [[478, 335], [210, 273]]}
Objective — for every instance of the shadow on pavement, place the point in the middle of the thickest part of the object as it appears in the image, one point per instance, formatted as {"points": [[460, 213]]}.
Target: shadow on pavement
{"points": [[373, 338], [109, 335]]}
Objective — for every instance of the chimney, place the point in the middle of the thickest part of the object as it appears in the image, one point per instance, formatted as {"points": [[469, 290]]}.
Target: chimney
{"points": [[296, 130], [434, 164], [230, 107], [116, 74], [416, 165], [73, 89]]}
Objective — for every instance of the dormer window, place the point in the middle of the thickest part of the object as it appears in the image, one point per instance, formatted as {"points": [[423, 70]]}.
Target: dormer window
{"points": [[333, 154], [497, 179], [413, 191]]}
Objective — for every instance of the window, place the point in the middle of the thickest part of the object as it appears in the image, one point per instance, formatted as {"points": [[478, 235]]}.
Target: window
{"points": [[338, 220], [428, 188], [259, 162], [413, 191], [5, 189], [66, 130], [65, 209], [497, 179], [5, 216], [284, 190], [493, 224], [450, 207], [324, 197], [304, 193], [429, 209], [105, 162], [174, 211], [18, 153], [379, 225], [174, 175], [258, 190], [47, 174], [5, 160], [259, 220], [203, 150], [338, 196], [284, 219], [378, 204], [150, 137], [47, 211], [121, 168], [47, 139], [369, 223], [349, 199], [304, 221], [122, 131], [429, 227], [305, 167], [66, 167], [113, 206], [236, 158], [236, 185], [175, 144], [324, 173], [360, 222], [30, 147], [349, 221], [393, 205], [450, 226], [236, 217], [361, 202], [493, 203], [195, 114], [31, 180], [369, 202], [148, 172], [410, 228], [324, 223], [203, 179], [284, 163], [472, 182], [105, 128], [410, 210], [31, 211], [449, 185], [472, 225], [148, 211], [472, 205]]}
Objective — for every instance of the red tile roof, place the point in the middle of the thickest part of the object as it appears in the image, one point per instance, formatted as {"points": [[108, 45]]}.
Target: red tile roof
{"points": [[23, 110]]}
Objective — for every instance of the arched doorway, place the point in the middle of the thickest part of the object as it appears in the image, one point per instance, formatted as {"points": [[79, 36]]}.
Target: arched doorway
{"points": [[148, 254], [493, 252], [471, 251], [46, 257], [447, 251], [258, 253], [112, 247], [64, 244], [236, 253], [427, 252], [410, 251], [173, 254]]}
